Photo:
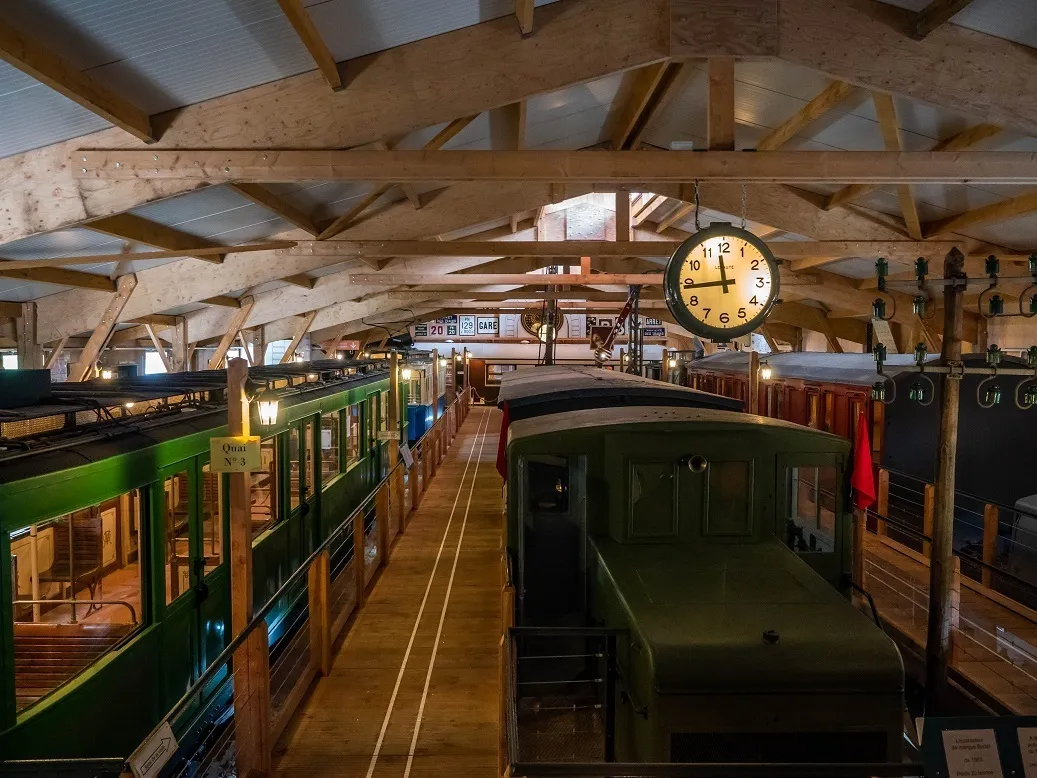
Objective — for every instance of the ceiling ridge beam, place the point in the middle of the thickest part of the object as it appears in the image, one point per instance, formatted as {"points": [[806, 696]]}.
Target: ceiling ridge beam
{"points": [[37, 60]]}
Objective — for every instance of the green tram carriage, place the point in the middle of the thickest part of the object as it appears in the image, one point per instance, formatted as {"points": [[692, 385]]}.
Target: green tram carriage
{"points": [[114, 582], [716, 548]]}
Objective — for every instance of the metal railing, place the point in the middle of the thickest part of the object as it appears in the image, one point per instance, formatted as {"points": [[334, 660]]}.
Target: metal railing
{"points": [[75, 603]]}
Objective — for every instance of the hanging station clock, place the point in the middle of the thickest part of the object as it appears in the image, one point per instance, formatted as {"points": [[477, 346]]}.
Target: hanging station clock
{"points": [[721, 282]]}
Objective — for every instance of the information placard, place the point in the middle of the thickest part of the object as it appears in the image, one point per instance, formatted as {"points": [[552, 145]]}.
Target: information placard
{"points": [[235, 455], [971, 753], [408, 460]]}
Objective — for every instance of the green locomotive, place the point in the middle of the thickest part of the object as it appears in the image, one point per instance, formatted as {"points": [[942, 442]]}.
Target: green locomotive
{"points": [[719, 543], [114, 580]]}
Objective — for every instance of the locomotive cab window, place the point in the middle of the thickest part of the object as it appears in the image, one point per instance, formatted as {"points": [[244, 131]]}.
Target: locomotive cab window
{"points": [[77, 593], [811, 509]]}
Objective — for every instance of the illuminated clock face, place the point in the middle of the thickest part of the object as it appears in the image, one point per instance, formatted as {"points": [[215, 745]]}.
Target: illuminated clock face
{"points": [[721, 283]]}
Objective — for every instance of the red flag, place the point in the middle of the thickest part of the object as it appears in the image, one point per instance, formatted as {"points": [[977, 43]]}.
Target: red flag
{"points": [[863, 478], [502, 446]]}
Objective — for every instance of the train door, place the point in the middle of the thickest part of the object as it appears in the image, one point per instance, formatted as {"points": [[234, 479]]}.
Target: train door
{"points": [[553, 540], [374, 460], [191, 502]]}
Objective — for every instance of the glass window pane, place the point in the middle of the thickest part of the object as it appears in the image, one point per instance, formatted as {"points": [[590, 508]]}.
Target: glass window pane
{"points": [[329, 446], [294, 469], [352, 434], [212, 518], [265, 488], [87, 557], [312, 460], [652, 500], [177, 495], [729, 506], [810, 516], [383, 411]]}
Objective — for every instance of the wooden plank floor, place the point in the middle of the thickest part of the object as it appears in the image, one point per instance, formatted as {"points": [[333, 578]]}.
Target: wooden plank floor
{"points": [[399, 701]]}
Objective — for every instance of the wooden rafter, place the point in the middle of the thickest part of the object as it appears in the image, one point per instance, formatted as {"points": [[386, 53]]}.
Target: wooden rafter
{"points": [[57, 275], [244, 347], [887, 114], [95, 259], [720, 117], [675, 216], [937, 13], [139, 230], [586, 167], [640, 96], [524, 15], [345, 220], [827, 99], [37, 60], [162, 321], [264, 198], [999, 211], [237, 321], [55, 353], [222, 300], [312, 40], [181, 346], [648, 206], [104, 329], [301, 328], [301, 280], [486, 279], [160, 347], [508, 127], [961, 141]]}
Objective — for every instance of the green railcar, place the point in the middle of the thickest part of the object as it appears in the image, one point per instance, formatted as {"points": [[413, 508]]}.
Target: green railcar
{"points": [[719, 544], [124, 518]]}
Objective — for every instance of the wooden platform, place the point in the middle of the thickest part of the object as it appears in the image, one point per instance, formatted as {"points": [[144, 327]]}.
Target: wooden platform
{"points": [[413, 688]]}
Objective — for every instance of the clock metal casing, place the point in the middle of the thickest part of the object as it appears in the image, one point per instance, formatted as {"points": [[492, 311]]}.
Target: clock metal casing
{"points": [[686, 253]]}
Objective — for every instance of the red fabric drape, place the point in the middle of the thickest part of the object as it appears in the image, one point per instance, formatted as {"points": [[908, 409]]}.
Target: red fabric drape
{"points": [[863, 478], [502, 446]]}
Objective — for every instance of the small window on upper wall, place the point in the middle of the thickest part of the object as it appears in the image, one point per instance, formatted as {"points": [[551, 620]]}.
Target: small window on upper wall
{"points": [[212, 518], [352, 435], [265, 488], [329, 445], [810, 516]]}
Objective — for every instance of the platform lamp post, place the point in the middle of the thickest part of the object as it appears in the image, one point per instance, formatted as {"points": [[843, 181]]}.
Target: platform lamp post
{"points": [[939, 644]]}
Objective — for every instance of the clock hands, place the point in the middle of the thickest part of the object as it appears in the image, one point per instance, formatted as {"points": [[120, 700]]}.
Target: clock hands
{"points": [[725, 283]]}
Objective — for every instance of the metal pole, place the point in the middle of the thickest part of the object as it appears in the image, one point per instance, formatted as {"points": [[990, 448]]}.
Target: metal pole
{"points": [[435, 385], [941, 571], [240, 502], [549, 342]]}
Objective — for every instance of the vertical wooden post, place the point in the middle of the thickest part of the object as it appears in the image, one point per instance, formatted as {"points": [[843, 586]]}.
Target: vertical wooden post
{"points": [[359, 562], [464, 368], [941, 569], [320, 613], [435, 386], [252, 703], [415, 492], [928, 506], [882, 501], [426, 461], [181, 347], [754, 383], [394, 407], [991, 518], [382, 518], [30, 352], [238, 425], [623, 231]]}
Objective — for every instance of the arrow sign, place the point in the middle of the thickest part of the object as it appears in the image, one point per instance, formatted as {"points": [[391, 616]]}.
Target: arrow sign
{"points": [[148, 760]]}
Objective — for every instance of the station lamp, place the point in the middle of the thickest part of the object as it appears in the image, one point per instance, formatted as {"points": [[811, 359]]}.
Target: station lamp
{"points": [[916, 392], [443, 361], [1030, 395], [405, 374], [992, 396], [311, 376], [106, 374], [878, 390], [338, 355], [996, 305], [672, 362], [267, 403], [601, 355], [457, 357], [766, 372]]}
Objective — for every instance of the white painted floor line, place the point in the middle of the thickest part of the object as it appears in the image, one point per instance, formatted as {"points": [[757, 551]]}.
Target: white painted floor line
{"points": [[421, 610], [442, 617]]}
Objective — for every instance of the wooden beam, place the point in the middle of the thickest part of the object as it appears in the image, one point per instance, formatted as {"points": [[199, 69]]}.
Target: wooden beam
{"points": [[937, 13], [486, 279], [301, 280], [181, 346], [675, 216], [767, 336], [650, 206], [244, 347], [827, 99], [55, 353], [734, 28], [37, 60], [999, 211], [590, 167], [10, 310], [57, 275], [312, 40], [222, 300], [887, 115], [524, 15], [160, 347], [640, 96], [263, 197], [80, 370], [30, 352], [237, 321], [960, 142], [213, 252], [301, 329], [162, 321], [508, 127], [720, 118], [139, 230], [344, 221], [623, 226]]}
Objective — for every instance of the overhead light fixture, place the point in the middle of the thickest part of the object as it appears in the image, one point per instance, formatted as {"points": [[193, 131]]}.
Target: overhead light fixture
{"points": [[672, 362], [766, 372], [458, 357], [106, 373], [299, 359], [267, 403], [443, 361], [405, 374]]}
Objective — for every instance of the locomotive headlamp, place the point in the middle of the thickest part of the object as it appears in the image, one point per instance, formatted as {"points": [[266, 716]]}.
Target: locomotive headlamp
{"points": [[405, 374], [994, 355], [311, 376], [267, 403], [766, 372], [601, 355], [338, 355], [992, 396], [878, 391], [996, 305]]}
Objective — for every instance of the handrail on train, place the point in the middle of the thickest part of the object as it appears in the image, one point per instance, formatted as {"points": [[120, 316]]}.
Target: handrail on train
{"points": [[88, 603]]}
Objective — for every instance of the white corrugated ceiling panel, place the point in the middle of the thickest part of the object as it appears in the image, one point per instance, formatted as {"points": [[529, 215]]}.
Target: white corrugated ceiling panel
{"points": [[1014, 20], [217, 213]]}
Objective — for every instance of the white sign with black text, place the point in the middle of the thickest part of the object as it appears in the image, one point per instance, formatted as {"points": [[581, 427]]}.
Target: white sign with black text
{"points": [[466, 325], [487, 325]]}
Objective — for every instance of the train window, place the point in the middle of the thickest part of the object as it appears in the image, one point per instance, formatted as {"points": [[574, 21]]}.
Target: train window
{"points": [[265, 488], [383, 411], [729, 499], [653, 503], [76, 591], [548, 485], [352, 434], [212, 518], [329, 446], [811, 514], [295, 473], [177, 494], [813, 417], [312, 461]]}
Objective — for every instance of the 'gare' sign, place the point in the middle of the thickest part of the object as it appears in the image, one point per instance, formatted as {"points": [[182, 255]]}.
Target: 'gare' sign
{"points": [[235, 455]]}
